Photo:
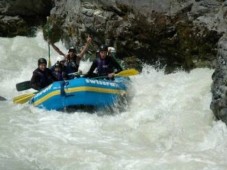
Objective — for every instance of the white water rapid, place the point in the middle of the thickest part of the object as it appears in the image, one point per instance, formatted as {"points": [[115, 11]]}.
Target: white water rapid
{"points": [[168, 125]]}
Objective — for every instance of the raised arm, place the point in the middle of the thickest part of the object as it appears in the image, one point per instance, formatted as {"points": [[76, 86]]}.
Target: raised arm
{"points": [[85, 47], [57, 49]]}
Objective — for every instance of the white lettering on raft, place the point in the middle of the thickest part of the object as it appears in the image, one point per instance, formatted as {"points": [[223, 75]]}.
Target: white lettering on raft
{"points": [[105, 83], [43, 91]]}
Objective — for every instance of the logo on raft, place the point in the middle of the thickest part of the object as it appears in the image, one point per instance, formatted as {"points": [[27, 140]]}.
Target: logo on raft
{"points": [[43, 91], [105, 83], [89, 81]]}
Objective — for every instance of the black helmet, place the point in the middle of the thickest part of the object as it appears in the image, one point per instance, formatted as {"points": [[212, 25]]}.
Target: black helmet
{"points": [[42, 61], [57, 65], [72, 49], [103, 48]]}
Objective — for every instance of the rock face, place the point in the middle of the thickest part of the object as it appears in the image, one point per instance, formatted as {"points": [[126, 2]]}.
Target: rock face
{"points": [[219, 86], [18, 17], [174, 33]]}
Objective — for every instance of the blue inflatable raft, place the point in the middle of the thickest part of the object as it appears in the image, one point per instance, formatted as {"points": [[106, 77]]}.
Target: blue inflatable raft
{"points": [[81, 91]]}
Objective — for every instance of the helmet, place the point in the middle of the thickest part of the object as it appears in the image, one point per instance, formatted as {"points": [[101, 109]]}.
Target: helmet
{"points": [[60, 58], [42, 61], [103, 48], [72, 49], [57, 65], [111, 50]]}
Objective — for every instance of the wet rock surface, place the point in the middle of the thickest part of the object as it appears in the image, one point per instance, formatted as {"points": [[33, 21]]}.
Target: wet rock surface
{"points": [[219, 86], [22, 17], [174, 33]]}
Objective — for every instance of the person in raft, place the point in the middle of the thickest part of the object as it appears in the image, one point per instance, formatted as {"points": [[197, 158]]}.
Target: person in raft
{"points": [[59, 71], [104, 64], [71, 60], [42, 76]]}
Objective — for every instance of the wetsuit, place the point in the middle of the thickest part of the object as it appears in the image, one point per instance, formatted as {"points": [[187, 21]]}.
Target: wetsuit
{"points": [[104, 67], [41, 79], [61, 73], [71, 66]]}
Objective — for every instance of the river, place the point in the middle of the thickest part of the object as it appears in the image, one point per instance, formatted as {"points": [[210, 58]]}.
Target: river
{"points": [[167, 125]]}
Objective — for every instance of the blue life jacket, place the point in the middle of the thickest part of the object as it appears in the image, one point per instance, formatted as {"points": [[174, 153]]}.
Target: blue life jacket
{"points": [[104, 66], [71, 66], [58, 75]]}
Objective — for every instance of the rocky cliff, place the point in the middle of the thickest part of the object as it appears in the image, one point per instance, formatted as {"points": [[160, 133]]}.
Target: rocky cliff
{"points": [[219, 86], [21, 17], [174, 33]]}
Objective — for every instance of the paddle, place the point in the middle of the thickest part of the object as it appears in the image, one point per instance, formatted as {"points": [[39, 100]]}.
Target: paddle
{"points": [[23, 86], [128, 72], [48, 32], [2, 98], [124, 73], [49, 61], [23, 98]]}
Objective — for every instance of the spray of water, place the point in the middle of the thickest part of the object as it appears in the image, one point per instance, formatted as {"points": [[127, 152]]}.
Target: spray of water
{"points": [[167, 125]]}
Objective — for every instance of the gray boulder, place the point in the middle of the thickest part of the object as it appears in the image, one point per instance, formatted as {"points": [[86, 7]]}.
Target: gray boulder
{"points": [[20, 17], [174, 33]]}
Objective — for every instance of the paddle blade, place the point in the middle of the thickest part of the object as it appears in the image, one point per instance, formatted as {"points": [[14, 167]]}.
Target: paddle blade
{"points": [[23, 98], [129, 72], [23, 86], [2, 98]]}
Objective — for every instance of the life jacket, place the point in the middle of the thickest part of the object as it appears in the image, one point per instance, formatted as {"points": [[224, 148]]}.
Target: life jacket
{"points": [[44, 78], [72, 65], [104, 66], [58, 75]]}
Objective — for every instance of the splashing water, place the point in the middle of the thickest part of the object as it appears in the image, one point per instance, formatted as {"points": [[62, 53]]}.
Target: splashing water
{"points": [[168, 124]]}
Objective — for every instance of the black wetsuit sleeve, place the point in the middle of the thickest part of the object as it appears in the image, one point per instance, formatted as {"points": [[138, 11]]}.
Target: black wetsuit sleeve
{"points": [[51, 76], [116, 65], [91, 70], [35, 81]]}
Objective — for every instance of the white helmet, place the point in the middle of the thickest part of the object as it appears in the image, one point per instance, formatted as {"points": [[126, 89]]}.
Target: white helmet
{"points": [[111, 50], [60, 58]]}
